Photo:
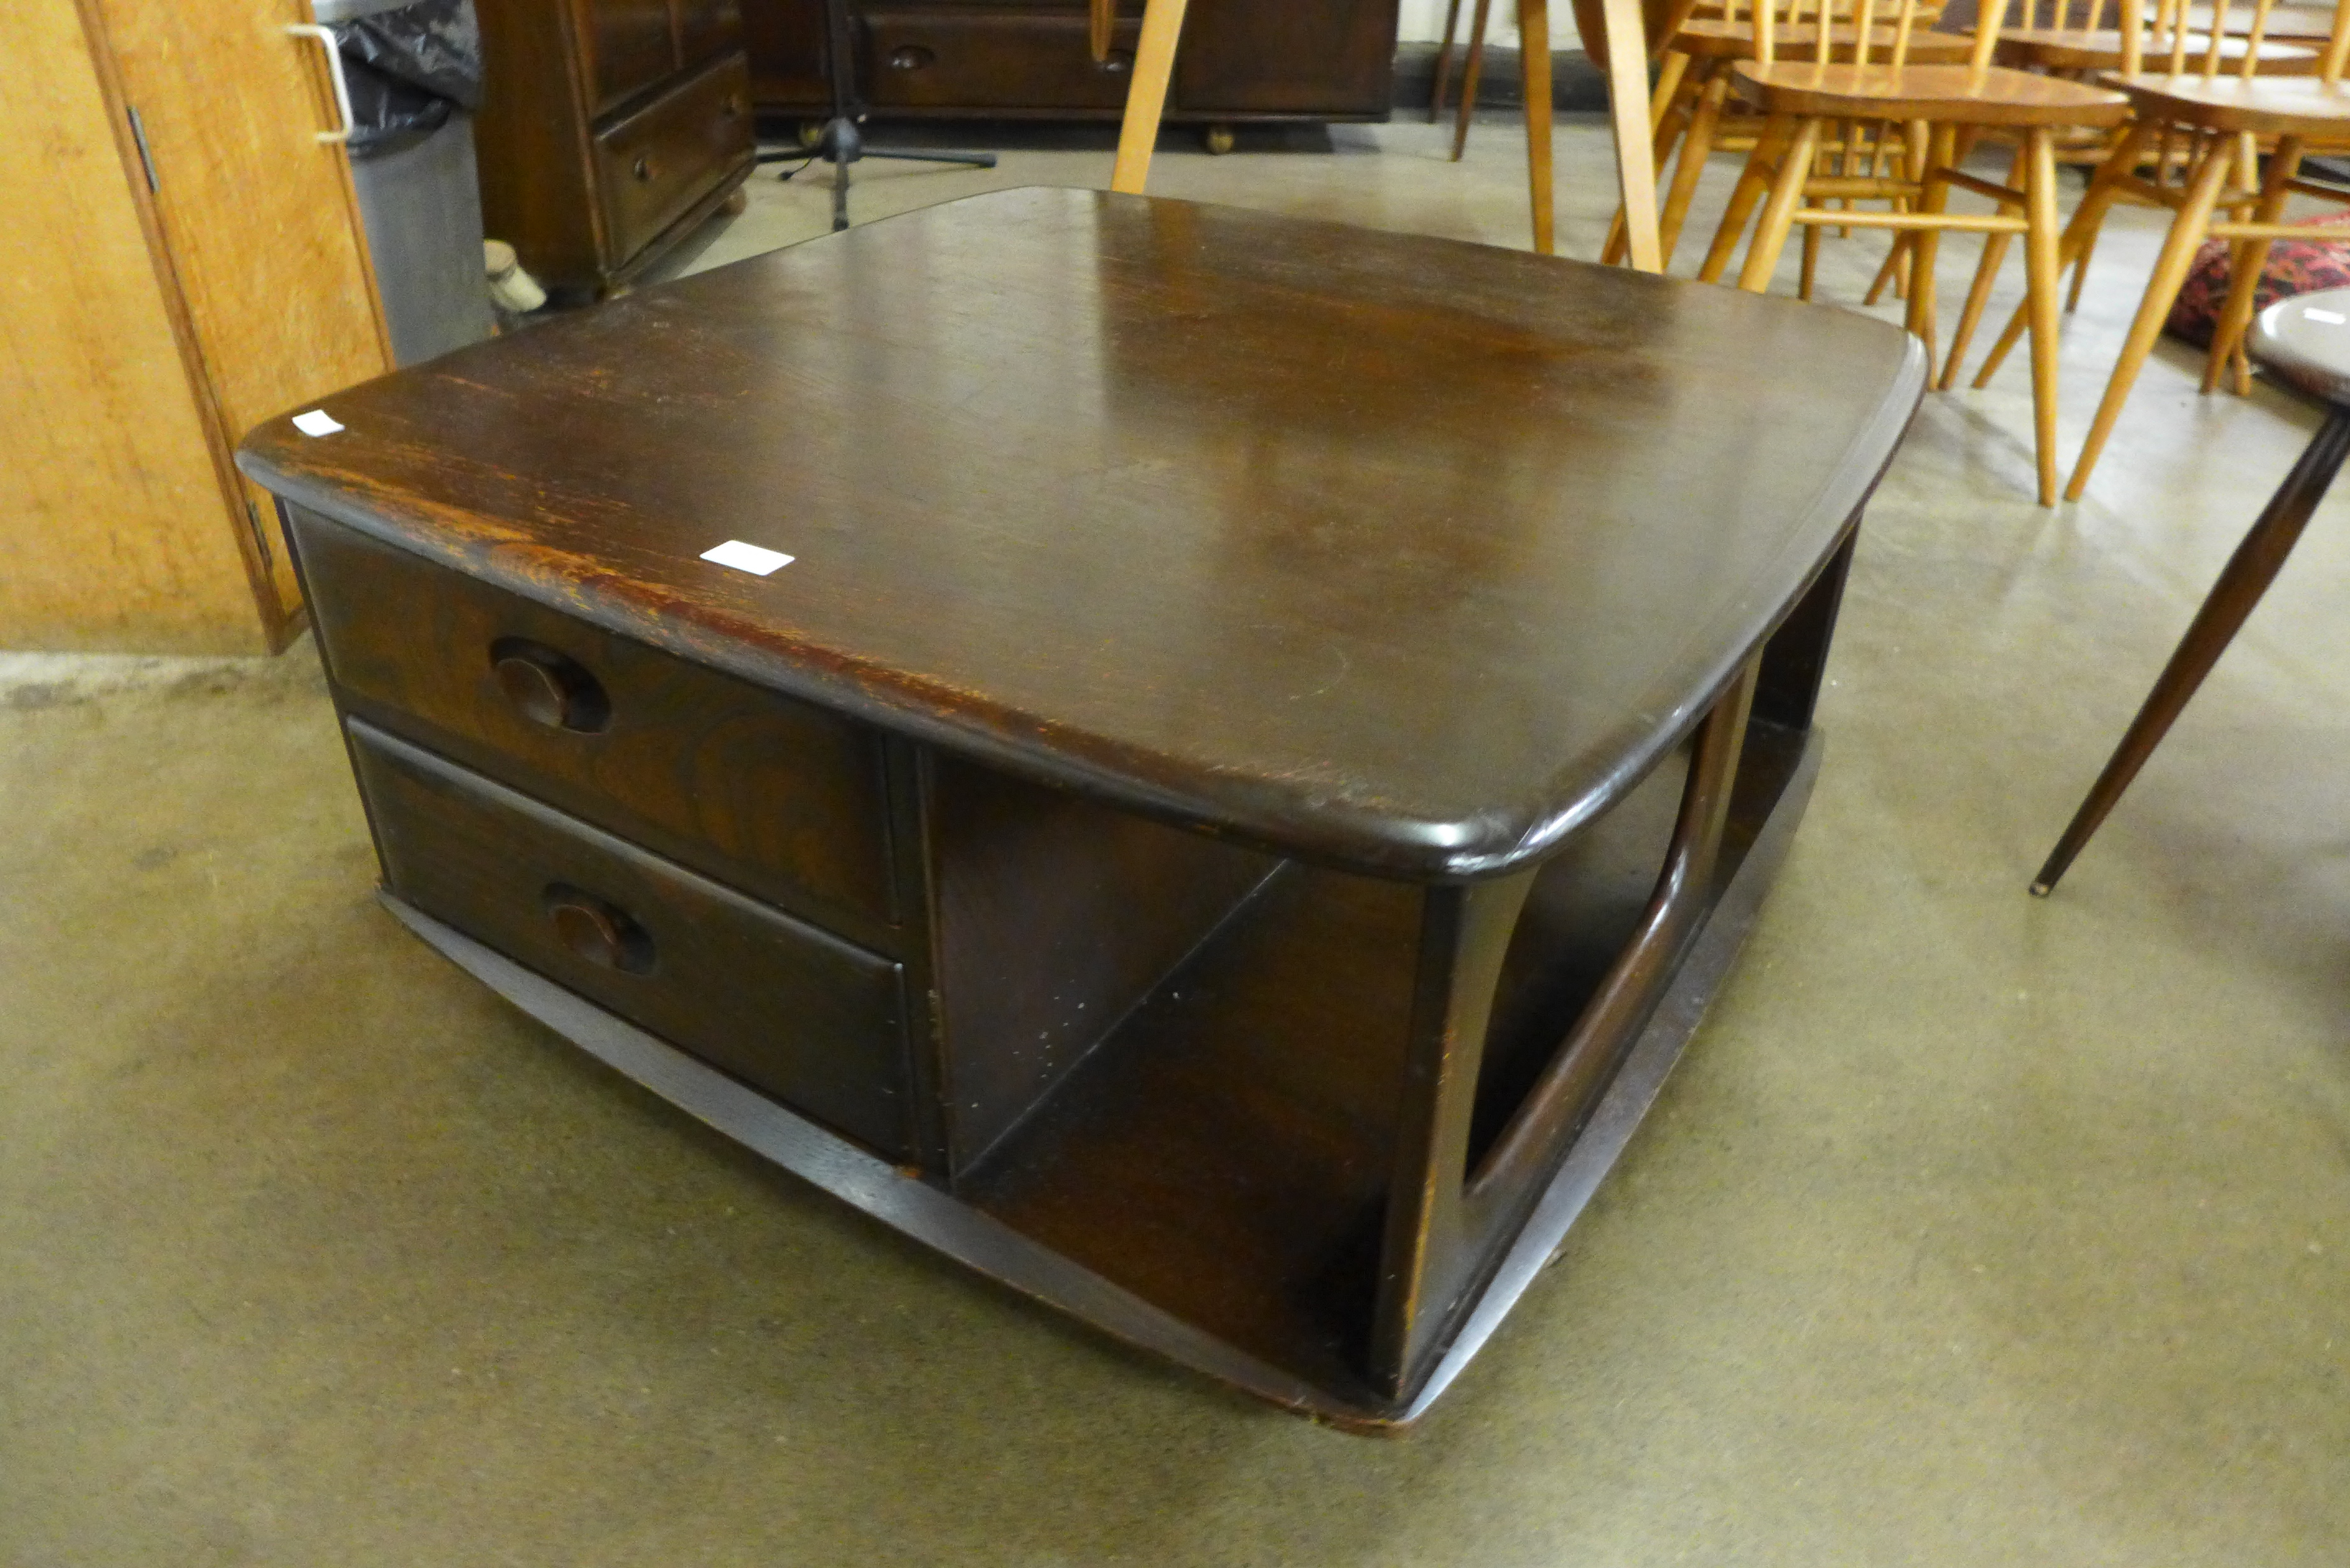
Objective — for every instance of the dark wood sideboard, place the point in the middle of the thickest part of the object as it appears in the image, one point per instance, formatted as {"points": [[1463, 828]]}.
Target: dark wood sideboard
{"points": [[1268, 737], [1241, 60], [609, 130]]}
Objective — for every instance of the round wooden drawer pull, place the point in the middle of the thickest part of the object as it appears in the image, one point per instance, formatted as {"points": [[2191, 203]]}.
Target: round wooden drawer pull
{"points": [[549, 687], [598, 930]]}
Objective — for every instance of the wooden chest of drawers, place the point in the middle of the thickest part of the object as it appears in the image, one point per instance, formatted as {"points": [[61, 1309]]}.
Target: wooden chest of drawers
{"points": [[608, 130], [1241, 60]]}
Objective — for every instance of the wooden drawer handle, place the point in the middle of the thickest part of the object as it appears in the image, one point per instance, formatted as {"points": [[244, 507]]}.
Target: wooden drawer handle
{"points": [[642, 169], [549, 687], [599, 931], [911, 57]]}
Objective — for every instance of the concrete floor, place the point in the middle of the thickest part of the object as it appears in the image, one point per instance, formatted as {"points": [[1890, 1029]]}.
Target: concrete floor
{"points": [[1972, 1230]]}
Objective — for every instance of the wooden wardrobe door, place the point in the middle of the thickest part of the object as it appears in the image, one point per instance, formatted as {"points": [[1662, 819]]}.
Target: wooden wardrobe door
{"points": [[116, 529], [257, 215]]}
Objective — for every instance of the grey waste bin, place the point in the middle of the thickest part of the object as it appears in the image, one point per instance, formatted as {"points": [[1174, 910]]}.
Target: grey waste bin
{"points": [[412, 71]]}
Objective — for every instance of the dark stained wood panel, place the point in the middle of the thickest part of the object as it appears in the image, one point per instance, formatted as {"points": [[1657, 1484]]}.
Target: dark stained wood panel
{"points": [[1055, 917], [1330, 59], [1238, 59], [787, 801], [655, 165], [788, 1009], [1393, 552], [925, 58]]}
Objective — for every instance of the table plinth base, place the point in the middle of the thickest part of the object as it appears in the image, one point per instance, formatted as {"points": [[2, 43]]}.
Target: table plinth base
{"points": [[937, 1218]]}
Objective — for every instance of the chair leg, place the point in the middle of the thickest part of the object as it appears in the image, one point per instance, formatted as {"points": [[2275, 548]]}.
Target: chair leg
{"points": [[1146, 94], [2169, 272], [1533, 55], [2080, 234], [2248, 576], [2042, 275], [1471, 72], [1892, 265], [1626, 26], [1810, 268], [1994, 252], [2080, 273], [1696, 148], [1752, 182], [1941, 146], [1443, 63], [1672, 117], [2251, 256], [1779, 212], [1671, 70]]}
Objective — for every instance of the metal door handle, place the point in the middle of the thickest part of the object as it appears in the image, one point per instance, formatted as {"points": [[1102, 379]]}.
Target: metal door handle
{"points": [[335, 71]]}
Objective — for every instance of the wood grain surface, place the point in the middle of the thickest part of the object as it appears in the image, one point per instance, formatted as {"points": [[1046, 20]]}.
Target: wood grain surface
{"points": [[787, 1008], [1396, 553], [118, 526], [788, 801], [1928, 92], [257, 214]]}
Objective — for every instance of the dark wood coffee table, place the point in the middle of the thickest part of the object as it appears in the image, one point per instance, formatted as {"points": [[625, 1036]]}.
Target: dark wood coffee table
{"points": [[1270, 736]]}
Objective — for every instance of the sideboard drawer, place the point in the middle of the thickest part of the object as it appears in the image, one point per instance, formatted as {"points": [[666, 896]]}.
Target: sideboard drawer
{"points": [[777, 796], [931, 59], [656, 164], [798, 1014]]}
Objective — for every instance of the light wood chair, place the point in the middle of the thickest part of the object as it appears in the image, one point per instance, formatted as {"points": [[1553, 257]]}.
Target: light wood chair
{"points": [[1635, 21], [2090, 50], [2218, 120], [2060, 47], [1946, 108], [1692, 118]]}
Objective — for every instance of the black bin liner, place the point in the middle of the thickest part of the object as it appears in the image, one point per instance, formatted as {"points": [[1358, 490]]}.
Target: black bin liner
{"points": [[409, 68]]}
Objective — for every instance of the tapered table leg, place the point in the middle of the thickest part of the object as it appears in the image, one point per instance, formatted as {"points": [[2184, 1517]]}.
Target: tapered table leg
{"points": [[2248, 576]]}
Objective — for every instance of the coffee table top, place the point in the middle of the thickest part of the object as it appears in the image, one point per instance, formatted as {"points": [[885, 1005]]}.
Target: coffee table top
{"points": [[1400, 553]]}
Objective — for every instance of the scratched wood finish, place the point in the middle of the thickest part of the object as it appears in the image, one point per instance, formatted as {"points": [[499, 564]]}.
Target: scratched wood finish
{"points": [[1394, 552]]}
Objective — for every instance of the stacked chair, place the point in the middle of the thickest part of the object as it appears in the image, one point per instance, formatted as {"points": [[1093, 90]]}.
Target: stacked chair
{"points": [[1935, 112], [1692, 113], [2207, 126]]}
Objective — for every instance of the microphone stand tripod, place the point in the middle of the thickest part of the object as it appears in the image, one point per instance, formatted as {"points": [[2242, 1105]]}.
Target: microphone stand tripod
{"points": [[842, 142]]}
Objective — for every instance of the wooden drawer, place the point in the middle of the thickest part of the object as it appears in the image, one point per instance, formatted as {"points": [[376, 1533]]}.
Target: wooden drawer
{"points": [[628, 48], [658, 162], [776, 797], [796, 1014], [1014, 59]]}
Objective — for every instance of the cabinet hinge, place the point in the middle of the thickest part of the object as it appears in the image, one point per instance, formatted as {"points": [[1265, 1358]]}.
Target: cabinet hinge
{"points": [[139, 135]]}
